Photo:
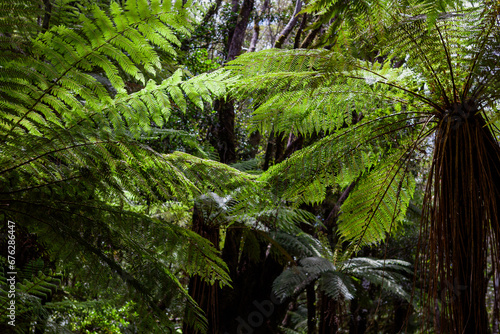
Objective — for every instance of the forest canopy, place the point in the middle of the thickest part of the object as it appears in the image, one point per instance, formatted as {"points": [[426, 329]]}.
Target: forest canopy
{"points": [[249, 166]]}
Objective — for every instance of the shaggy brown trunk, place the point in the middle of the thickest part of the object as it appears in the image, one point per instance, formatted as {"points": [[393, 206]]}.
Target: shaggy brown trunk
{"points": [[463, 220]]}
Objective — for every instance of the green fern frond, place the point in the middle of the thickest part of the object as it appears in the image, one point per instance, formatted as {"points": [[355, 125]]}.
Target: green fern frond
{"points": [[28, 298], [378, 202]]}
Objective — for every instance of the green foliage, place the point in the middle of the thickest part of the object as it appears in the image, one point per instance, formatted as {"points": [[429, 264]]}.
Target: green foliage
{"points": [[28, 299], [93, 317], [336, 278], [74, 168], [326, 93], [397, 76]]}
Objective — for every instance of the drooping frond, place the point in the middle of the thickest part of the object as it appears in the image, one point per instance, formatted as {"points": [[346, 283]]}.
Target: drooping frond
{"points": [[377, 203], [29, 291], [308, 91], [364, 114]]}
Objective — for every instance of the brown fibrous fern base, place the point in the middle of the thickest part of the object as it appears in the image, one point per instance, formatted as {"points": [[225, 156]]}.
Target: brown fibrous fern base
{"points": [[461, 222]]}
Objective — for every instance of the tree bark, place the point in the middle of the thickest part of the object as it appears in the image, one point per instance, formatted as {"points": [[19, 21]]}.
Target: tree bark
{"points": [[311, 309], [205, 295], [296, 43], [288, 28], [310, 37], [256, 26], [250, 306], [240, 28], [329, 319], [463, 219], [223, 137], [225, 140]]}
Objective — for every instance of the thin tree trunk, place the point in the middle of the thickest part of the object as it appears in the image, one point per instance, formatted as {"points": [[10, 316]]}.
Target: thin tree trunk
{"points": [[329, 318], [223, 137], [256, 26], [311, 309], [47, 15], [225, 141], [288, 28], [270, 148], [298, 35], [310, 37]]}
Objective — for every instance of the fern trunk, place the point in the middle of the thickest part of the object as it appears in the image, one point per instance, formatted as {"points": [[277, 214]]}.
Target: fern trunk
{"points": [[463, 220], [329, 318], [250, 306], [203, 293]]}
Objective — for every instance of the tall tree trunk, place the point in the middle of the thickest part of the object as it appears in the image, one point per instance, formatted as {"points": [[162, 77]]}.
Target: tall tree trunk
{"points": [[223, 137], [249, 306], [205, 295], [464, 219]]}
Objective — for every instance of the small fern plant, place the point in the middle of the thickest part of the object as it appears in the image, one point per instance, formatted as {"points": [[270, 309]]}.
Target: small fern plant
{"points": [[333, 271]]}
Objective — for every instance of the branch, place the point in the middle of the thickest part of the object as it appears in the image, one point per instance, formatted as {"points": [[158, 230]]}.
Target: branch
{"points": [[240, 29], [288, 29], [256, 26]]}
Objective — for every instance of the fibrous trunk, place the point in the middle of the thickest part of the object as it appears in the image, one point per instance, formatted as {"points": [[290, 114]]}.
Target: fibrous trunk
{"points": [[462, 217]]}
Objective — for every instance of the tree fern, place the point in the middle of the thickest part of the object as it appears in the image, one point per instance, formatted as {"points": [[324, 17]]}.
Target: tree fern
{"points": [[445, 89], [73, 165], [336, 281]]}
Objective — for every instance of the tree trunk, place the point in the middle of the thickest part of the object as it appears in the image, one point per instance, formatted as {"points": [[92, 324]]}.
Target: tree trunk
{"points": [[288, 28], [205, 295], [463, 219], [223, 138], [249, 306], [240, 28], [328, 315], [311, 309], [256, 26]]}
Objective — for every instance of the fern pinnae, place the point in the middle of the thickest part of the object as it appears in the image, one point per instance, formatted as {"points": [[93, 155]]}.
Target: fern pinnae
{"points": [[376, 205]]}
